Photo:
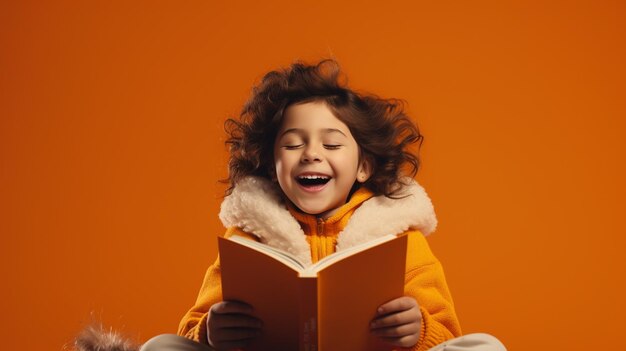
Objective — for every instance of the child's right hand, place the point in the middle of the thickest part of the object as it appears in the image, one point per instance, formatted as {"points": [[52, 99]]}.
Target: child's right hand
{"points": [[231, 325]]}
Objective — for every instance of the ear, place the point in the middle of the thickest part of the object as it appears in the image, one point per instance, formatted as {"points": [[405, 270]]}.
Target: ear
{"points": [[364, 172]]}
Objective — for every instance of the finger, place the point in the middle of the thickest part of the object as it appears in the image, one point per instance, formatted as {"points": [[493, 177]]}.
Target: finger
{"points": [[400, 304], [231, 307], [405, 317], [235, 334], [234, 321], [398, 331]]}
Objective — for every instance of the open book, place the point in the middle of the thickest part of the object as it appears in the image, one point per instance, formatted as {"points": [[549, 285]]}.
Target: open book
{"points": [[327, 306]]}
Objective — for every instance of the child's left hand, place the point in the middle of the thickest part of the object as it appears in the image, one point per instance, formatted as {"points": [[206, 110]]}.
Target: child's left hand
{"points": [[398, 322]]}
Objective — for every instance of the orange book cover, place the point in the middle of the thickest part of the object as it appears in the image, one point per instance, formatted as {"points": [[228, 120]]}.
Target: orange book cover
{"points": [[326, 306]]}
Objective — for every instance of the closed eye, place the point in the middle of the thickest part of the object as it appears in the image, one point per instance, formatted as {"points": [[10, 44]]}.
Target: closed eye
{"points": [[292, 147], [332, 146]]}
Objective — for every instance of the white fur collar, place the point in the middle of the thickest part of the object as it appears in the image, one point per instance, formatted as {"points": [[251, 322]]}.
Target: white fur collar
{"points": [[256, 206]]}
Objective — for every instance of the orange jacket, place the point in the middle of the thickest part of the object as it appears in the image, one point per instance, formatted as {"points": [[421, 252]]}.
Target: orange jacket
{"points": [[248, 210]]}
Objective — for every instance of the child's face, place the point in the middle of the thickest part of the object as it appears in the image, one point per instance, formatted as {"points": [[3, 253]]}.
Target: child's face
{"points": [[316, 159]]}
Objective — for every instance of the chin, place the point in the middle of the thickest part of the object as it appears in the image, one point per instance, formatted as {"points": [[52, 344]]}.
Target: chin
{"points": [[312, 209]]}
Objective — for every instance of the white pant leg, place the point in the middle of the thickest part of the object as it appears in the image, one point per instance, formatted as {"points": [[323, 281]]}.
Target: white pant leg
{"points": [[471, 342], [171, 342]]}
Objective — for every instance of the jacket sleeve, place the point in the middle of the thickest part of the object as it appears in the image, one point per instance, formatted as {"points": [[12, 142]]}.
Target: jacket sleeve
{"points": [[194, 323], [425, 281]]}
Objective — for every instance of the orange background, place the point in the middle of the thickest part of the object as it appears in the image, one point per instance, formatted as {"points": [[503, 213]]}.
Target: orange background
{"points": [[111, 146]]}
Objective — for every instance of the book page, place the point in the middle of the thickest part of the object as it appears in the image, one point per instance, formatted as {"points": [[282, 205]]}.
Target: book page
{"points": [[337, 256], [280, 255]]}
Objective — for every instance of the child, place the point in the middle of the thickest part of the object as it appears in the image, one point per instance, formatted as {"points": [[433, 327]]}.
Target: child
{"points": [[316, 167]]}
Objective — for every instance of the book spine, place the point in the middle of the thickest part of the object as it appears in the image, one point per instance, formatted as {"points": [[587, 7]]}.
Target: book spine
{"points": [[308, 314]]}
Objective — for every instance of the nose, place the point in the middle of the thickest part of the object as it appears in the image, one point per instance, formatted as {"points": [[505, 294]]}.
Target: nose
{"points": [[311, 154]]}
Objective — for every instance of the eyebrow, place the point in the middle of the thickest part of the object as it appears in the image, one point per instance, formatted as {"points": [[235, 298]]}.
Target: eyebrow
{"points": [[299, 131]]}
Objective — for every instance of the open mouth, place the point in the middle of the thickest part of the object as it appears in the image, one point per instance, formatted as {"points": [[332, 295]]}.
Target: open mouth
{"points": [[312, 180]]}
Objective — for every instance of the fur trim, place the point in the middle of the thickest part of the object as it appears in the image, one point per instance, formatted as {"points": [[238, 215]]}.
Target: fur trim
{"points": [[256, 206], [381, 216], [96, 338]]}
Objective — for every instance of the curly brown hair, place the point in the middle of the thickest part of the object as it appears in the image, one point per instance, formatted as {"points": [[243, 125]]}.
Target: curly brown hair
{"points": [[380, 127]]}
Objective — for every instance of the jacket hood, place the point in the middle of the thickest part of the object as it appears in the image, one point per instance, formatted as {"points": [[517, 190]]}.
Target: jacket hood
{"points": [[256, 206]]}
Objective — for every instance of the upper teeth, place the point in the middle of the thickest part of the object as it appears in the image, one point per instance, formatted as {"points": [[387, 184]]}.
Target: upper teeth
{"points": [[313, 177]]}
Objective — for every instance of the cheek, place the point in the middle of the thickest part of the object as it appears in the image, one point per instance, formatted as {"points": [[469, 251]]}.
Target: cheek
{"points": [[347, 163]]}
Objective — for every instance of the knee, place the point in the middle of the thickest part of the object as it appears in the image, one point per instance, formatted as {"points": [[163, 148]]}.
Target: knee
{"points": [[159, 342], [484, 342], [172, 342]]}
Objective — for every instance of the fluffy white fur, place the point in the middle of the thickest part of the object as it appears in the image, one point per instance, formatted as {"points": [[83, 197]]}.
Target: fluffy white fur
{"points": [[97, 338], [256, 206]]}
